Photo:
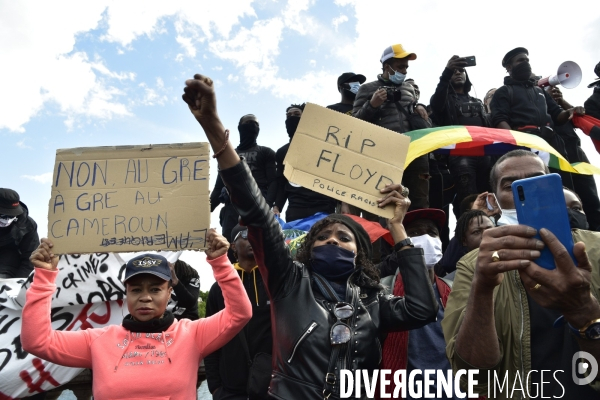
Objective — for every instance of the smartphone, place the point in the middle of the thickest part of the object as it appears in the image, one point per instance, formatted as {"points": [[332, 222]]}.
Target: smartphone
{"points": [[470, 61], [540, 203]]}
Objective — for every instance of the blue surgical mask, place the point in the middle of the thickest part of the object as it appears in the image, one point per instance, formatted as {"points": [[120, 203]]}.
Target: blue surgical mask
{"points": [[509, 217], [332, 262], [397, 78], [354, 87]]}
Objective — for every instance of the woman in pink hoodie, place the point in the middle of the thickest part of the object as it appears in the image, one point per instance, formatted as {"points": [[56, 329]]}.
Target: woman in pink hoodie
{"points": [[151, 355]]}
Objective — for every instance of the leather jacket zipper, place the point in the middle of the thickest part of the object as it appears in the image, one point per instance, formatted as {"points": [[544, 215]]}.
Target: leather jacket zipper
{"points": [[304, 335]]}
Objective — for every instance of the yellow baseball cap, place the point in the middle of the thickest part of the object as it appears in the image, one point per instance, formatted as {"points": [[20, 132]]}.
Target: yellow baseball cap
{"points": [[396, 51]]}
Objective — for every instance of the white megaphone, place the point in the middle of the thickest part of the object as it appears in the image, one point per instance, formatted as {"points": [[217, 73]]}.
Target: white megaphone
{"points": [[568, 75]]}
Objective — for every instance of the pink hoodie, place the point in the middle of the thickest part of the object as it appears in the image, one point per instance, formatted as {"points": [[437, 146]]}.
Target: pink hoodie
{"points": [[129, 365]]}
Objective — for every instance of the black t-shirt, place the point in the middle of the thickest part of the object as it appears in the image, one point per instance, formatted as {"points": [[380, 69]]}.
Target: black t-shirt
{"points": [[553, 349], [298, 196], [341, 107], [261, 161]]}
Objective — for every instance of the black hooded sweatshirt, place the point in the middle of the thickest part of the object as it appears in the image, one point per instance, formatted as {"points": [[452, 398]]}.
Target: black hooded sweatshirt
{"points": [[228, 366], [446, 104], [17, 242], [524, 104]]}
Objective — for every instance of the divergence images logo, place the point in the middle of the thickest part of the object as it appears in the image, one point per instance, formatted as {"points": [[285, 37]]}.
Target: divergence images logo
{"points": [[584, 363], [147, 262]]}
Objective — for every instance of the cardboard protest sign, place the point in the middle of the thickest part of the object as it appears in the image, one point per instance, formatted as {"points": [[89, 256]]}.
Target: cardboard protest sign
{"points": [[345, 158], [130, 198]]}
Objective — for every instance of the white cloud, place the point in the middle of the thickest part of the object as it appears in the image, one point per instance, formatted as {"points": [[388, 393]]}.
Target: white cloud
{"points": [[39, 67], [187, 45], [219, 16], [154, 96], [42, 178], [99, 66], [21, 144], [338, 21]]}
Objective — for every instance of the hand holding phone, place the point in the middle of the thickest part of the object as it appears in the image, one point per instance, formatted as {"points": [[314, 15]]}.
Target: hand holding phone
{"points": [[471, 62], [540, 203]]}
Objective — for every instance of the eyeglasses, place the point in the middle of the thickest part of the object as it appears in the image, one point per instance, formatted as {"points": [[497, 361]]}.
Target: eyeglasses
{"points": [[340, 331], [243, 234]]}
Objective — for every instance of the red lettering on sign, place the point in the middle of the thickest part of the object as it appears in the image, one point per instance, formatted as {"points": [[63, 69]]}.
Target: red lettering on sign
{"points": [[44, 377], [83, 317]]}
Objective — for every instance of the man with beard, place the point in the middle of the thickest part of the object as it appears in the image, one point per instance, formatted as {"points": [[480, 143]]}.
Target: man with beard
{"points": [[452, 105], [510, 318], [260, 160], [302, 202], [347, 84], [521, 105]]}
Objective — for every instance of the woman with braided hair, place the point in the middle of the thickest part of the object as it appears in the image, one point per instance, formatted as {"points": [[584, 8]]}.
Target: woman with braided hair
{"points": [[328, 311]]}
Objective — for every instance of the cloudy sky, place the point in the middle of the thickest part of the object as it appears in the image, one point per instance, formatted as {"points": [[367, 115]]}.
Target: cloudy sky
{"points": [[100, 73]]}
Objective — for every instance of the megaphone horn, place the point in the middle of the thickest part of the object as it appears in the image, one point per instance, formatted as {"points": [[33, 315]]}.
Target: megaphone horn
{"points": [[568, 75]]}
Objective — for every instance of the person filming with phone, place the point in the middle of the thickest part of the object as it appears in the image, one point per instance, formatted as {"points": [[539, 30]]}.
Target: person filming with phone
{"points": [[452, 105], [507, 315]]}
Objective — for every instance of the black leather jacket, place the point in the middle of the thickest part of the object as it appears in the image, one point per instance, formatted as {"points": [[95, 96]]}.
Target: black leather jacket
{"points": [[302, 319]]}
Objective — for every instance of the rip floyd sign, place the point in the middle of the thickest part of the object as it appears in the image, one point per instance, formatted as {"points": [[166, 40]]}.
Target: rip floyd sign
{"points": [[345, 158], [130, 198]]}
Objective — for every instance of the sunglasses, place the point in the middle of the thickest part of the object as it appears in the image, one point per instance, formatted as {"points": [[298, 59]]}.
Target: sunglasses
{"points": [[243, 234], [340, 331]]}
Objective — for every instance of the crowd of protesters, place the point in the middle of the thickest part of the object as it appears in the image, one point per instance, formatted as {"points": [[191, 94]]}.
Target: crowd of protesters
{"points": [[421, 301]]}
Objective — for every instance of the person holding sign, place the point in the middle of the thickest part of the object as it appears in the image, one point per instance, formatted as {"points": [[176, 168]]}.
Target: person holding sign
{"points": [[328, 309], [128, 359]]}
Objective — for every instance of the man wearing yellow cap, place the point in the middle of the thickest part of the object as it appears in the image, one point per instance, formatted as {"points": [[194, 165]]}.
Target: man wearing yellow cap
{"points": [[389, 102]]}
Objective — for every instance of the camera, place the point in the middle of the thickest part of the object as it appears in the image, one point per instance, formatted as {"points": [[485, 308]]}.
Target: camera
{"points": [[470, 109], [393, 93]]}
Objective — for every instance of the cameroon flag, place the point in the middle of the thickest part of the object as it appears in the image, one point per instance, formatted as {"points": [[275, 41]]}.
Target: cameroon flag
{"points": [[480, 141]]}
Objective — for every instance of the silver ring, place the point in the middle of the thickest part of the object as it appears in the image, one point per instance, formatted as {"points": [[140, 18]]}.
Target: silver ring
{"points": [[404, 192]]}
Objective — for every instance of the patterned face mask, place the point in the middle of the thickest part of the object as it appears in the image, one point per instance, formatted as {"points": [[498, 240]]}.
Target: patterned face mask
{"points": [[5, 221]]}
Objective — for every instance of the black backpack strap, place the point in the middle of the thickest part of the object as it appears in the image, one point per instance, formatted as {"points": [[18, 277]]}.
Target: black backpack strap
{"points": [[510, 93]]}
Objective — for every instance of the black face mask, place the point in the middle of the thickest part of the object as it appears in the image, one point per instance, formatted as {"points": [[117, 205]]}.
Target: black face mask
{"points": [[348, 94], [522, 72], [577, 220], [332, 262], [153, 326], [248, 134], [291, 124]]}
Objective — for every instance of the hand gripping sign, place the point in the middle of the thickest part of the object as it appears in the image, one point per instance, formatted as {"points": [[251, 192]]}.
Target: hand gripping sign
{"points": [[345, 158]]}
